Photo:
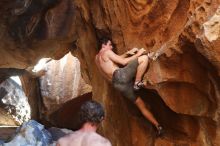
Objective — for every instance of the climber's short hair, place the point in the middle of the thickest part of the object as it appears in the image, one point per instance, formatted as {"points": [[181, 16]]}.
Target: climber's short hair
{"points": [[91, 111], [103, 40]]}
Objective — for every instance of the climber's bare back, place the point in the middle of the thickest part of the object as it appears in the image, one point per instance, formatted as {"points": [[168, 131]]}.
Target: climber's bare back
{"points": [[105, 64], [80, 138]]}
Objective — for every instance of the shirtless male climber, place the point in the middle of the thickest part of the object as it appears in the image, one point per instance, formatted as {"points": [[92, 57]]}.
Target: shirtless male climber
{"points": [[91, 115], [127, 79]]}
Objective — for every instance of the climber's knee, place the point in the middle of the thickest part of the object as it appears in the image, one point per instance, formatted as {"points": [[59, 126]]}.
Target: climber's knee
{"points": [[143, 59]]}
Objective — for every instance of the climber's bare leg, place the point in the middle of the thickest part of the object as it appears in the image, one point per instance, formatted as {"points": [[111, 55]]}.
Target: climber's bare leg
{"points": [[143, 63], [147, 114]]}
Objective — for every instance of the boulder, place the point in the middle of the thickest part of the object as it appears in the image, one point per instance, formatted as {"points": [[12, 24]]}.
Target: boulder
{"points": [[29, 134], [14, 101], [61, 83]]}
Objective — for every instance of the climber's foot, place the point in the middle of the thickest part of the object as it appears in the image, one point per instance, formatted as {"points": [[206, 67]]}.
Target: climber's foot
{"points": [[139, 84], [160, 131], [153, 55]]}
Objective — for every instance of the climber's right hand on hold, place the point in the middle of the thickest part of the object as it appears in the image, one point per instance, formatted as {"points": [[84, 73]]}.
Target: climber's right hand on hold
{"points": [[141, 51], [132, 51]]}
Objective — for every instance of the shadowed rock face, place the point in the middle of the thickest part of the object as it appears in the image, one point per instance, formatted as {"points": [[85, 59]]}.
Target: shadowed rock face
{"points": [[67, 115], [184, 81], [33, 26]]}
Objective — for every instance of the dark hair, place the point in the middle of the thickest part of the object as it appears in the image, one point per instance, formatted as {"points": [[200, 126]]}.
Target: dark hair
{"points": [[102, 41], [91, 111]]}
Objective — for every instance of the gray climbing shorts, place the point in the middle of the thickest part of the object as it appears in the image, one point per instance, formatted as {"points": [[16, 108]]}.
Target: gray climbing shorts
{"points": [[123, 80]]}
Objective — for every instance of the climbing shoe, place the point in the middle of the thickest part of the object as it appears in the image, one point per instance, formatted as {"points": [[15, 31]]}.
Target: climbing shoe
{"points": [[153, 55], [138, 85], [160, 131]]}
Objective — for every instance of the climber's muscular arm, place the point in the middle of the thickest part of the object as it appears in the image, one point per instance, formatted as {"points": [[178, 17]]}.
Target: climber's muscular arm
{"points": [[129, 53], [123, 61]]}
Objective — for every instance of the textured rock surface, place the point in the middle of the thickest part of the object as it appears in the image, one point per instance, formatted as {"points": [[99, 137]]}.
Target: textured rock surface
{"points": [[61, 83], [31, 89], [14, 101], [7, 132], [184, 80], [6, 119]]}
